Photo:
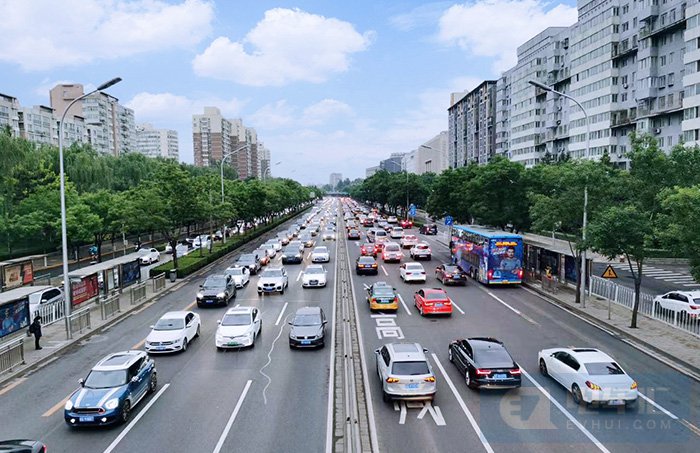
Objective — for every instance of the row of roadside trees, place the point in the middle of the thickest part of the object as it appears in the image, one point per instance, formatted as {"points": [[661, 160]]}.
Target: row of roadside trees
{"points": [[109, 196], [653, 208]]}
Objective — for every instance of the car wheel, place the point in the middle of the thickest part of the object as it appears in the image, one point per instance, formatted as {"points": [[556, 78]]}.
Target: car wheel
{"points": [[282, 292], [468, 379], [421, 311], [219, 349], [543, 368], [196, 335], [576, 393], [385, 397], [259, 293], [126, 411], [153, 384], [449, 355], [184, 345]]}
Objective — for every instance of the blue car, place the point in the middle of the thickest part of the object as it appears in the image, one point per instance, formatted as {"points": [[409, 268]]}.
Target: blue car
{"points": [[112, 389]]}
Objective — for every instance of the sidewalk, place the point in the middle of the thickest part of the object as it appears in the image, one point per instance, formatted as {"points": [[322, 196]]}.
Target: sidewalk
{"points": [[54, 339], [680, 349]]}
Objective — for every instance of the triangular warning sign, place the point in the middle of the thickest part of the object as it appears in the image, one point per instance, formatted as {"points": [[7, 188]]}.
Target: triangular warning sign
{"points": [[609, 272]]}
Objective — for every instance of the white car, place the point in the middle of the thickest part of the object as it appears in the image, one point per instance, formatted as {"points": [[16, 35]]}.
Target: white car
{"points": [[239, 328], [421, 251], [408, 240], [314, 276], [276, 244], [148, 256], [269, 250], [412, 272], [328, 235], [201, 241], [272, 279], [240, 274], [391, 219], [320, 255], [590, 375], [396, 233], [173, 332], [681, 302]]}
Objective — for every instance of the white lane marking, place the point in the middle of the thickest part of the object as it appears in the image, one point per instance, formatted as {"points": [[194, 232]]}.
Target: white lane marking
{"points": [[656, 405], [517, 312], [457, 306], [384, 270], [331, 364], [692, 284], [299, 276], [465, 409], [434, 412], [231, 419], [404, 305], [284, 307], [568, 415], [402, 415], [237, 305], [126, 430]]}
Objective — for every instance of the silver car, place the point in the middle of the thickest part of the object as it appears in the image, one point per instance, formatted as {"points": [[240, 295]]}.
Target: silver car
{"points": [[404, 372]]}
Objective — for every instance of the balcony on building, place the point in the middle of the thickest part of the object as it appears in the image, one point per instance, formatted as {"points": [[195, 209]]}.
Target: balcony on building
{"points": [[621, 118], [623, 49], [655, 28], [648, 10]]}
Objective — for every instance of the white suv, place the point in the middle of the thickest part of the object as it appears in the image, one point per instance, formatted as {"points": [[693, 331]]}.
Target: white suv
{"points": [[404, 372], [273, 279], [681, 302], [421, 251]]}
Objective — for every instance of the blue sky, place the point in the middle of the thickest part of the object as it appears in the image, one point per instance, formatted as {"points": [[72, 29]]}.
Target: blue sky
{"points": [[330, 86]]}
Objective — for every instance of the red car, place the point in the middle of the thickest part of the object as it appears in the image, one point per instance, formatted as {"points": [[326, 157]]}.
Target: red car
{"points": [[353, 234], [368, 249], [432, 301], [406, 224]]}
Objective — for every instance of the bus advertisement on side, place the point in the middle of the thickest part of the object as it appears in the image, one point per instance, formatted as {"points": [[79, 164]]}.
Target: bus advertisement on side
{"points": [[489, 256]]}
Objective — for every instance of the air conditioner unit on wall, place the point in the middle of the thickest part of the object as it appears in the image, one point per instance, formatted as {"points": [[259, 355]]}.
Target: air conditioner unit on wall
{"points": [[657, 131]]}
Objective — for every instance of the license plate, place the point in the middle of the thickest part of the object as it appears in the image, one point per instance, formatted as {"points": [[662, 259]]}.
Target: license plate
{"points": [[87, 419], [412, 386], [160, 348], [305, 341], [500, 376], [232, 343], [616, 403], [456, 277], [438, 305]]}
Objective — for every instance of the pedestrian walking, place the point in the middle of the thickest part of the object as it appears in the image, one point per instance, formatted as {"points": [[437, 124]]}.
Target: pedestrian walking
{"points": [[35, 329]]}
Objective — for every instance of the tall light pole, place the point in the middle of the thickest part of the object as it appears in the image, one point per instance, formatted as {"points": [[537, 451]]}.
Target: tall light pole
{"points": [[585, 189], [64, 234], [225, 156]]}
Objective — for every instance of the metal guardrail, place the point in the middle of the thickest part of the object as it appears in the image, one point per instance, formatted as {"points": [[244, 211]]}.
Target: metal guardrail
{"points": [[11, 354], [138, 293], [109, 306], [158, 282], [79, 321], [50, 313], [622, 295]]}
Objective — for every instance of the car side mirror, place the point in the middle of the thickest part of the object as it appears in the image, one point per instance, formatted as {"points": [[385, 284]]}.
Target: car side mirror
{"points": [[135, 379], [290, 323], [425, 350], [376, 351], [201, 286], [324, 322], [218, 321], [152, 326], [81, 381]]}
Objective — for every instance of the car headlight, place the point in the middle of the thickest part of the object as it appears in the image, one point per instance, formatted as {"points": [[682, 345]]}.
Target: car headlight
{"points": [[69, 405], [298, 255], [284, 256], [200, 296], [292, 336], [221, 295], [219, 337], [112, 404]]}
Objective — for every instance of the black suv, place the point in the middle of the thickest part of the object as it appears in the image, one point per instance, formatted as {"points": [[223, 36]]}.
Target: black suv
{"points": [[429, 228], [216, 290]]}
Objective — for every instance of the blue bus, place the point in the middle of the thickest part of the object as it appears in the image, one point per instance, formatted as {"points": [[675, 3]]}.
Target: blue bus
{"points": [[490, 256]]}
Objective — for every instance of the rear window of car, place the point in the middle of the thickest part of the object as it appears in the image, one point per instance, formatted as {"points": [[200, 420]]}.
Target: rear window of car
{"points": [[414, 267], [366, 260], [603, 368], [380, 233], [414, 368], [493, 357], [392, 248], [435, 296]]}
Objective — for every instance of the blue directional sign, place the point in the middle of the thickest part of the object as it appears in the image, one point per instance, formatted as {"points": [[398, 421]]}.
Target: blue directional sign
{"points": [[449, 221], [412, 211]]}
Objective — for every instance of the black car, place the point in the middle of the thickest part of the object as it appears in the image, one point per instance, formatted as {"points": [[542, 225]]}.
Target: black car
{"points": [[450, 273], [429, 228], [251, 261], [22, 446], [216, 290], [292, 255], [485, 363], [308, 328], [366, 265]]}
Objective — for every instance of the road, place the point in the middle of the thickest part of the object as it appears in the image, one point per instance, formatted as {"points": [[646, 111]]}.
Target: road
{"points": [[538, 417], [657, 278], [273, 399]]}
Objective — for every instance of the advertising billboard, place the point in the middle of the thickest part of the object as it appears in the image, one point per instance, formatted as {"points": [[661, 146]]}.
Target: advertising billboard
{"points": [[84, 289], [131, 273], [16, 275], [14, 316]]}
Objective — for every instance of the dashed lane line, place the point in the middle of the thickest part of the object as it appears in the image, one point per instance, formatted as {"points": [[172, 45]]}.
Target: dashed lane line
{"points": [[457, 307], [12, 385], [231, 419], [404, 305], [384, 270], [279, 318]]}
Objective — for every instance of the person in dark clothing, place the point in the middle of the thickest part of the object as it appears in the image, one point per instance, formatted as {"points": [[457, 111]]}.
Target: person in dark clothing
{"points": [[35, 329]]}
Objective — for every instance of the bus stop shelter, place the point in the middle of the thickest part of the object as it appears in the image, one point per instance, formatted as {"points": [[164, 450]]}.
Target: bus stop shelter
{"points": [[104, 278]]}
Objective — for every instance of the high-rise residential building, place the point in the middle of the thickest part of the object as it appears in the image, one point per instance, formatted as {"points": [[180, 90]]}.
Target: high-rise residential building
{"points": [[394, 164], [40, 124], [430, 157], [369, 171], [691, 76], [264, 161], [9, 117], [111, 126], [335, 179], [471, 125], [154, 142]]}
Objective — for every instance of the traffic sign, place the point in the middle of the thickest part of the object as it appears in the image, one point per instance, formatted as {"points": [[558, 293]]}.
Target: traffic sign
{"points": [[449, 221], [609, 272], [412, 211]]}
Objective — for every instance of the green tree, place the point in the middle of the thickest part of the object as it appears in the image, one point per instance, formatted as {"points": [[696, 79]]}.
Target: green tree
{"points": [[682, 223]]}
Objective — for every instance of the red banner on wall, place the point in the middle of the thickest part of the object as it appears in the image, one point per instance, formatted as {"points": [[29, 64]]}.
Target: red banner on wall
{"points": [[85, 289]]}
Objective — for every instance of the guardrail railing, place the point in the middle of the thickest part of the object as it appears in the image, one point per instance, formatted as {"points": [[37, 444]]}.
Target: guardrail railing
{"points": [[50, 313], [79, 321], [138, 293], [109, 306], [158, 282], [11, 354]]}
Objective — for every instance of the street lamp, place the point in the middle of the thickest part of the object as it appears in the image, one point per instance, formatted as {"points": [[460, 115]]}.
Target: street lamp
{"points": [[225, 156], [64, 234], [585, 189]]}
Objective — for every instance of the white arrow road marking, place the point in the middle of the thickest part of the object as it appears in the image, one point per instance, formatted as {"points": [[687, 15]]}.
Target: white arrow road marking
{"points": [[434, 412]]}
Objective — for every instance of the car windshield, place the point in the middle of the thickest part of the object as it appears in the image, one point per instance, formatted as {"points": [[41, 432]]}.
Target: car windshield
{"points": [[235, 271], [246, 259], [313, 270], [320, 250], [105, 379], [436, 296], [307, 320], [291, 251], [170, 324], [144, 252], [272, 273], [214, 282], [236, 319], [603, 368], [493, 357], [696, 300], [410, 368]]}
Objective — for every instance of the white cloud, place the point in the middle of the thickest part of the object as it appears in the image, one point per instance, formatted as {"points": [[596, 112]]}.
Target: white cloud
{"points": [[285, 46], [273, 116], [280, 114], [325, 110], [423, 15], [46, 34], [495, 28]]}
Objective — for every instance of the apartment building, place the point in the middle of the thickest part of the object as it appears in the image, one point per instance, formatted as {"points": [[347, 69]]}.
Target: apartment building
{"points": [[335, 179], [369, 171], [394, 164], [154, 142], [691, 75], [430, 157], [471, 125], [264, 161], [211, 136], [9, 106]]}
